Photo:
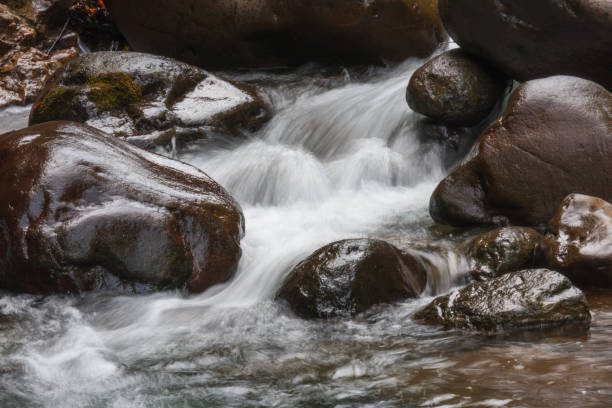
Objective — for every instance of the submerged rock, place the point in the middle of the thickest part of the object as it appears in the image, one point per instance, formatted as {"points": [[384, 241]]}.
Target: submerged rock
{"points": [[502, 250], [348, 277], [81, 210], [533, 298], [533, 39], [272, 33], [554, 139], [148, 99], [455, 89], [579, 241]]}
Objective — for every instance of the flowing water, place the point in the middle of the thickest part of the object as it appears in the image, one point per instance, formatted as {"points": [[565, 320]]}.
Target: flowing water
{"points": [[341, 159]]}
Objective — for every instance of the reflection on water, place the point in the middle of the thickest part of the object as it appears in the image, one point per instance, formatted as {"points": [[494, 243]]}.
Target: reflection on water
{"points": [[87, 352]]}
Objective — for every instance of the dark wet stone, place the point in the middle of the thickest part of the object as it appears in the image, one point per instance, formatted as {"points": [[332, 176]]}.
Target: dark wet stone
{"points": [[554, 139], [579, 241], [148, 100], [502, 250], [533, 298], [348, 277], [455, 89], [272, 33], [535, 39], [81, 210]]}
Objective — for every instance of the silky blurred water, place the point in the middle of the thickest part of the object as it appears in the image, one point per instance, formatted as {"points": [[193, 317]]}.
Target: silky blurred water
{"points": [[340, 159]]}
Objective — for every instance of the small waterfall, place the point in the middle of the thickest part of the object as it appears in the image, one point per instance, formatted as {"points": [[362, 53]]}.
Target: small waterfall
{"points": [[333, 164]]}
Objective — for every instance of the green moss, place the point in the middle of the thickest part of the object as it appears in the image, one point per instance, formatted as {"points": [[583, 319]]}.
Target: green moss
{"points": [[54, 106], [113, 91]]}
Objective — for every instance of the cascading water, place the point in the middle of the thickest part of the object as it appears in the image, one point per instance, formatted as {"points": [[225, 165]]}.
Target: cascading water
{"points": [[337, 161], [344, 163]]}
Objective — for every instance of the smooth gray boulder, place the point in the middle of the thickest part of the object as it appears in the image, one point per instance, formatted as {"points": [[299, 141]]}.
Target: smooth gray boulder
{"points": [[148, 100]]}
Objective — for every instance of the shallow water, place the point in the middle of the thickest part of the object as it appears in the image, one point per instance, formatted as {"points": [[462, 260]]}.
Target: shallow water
{"points": [[341, 159]]}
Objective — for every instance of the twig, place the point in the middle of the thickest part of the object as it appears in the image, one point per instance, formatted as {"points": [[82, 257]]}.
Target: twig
{"points": [[59, 37]]}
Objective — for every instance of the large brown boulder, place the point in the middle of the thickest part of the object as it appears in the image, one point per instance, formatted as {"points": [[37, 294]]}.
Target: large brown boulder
{"points": [[258, 33], [348, 277], [455, 89], [81, 210], [579, 241], [502, 250], [530, 39], [534, 298], [554, 139], [147, 99]]}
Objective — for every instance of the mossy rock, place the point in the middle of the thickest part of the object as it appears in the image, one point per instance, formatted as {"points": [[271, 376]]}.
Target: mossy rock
{"points": [[149, 100], [114, 90], [56, 105]]}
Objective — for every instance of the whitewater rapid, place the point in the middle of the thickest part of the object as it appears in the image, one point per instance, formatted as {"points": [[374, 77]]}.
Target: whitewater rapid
{"points": [[337, 161]]}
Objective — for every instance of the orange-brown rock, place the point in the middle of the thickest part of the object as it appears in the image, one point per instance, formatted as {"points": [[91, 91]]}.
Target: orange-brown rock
{"points": [[24, 69]]}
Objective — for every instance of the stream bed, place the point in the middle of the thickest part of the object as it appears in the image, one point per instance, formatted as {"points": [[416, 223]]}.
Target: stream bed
{"points": [[340, 159]]}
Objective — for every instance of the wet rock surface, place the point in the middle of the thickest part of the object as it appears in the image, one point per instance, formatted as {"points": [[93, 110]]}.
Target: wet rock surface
{"points": [[348, 277], [24, 67], [271, 33], [533, 298], [44, 15], [535, 39], [148, 100], [81, 210], [455, 89], [579, 241], [554, 139], [503, 250]]}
